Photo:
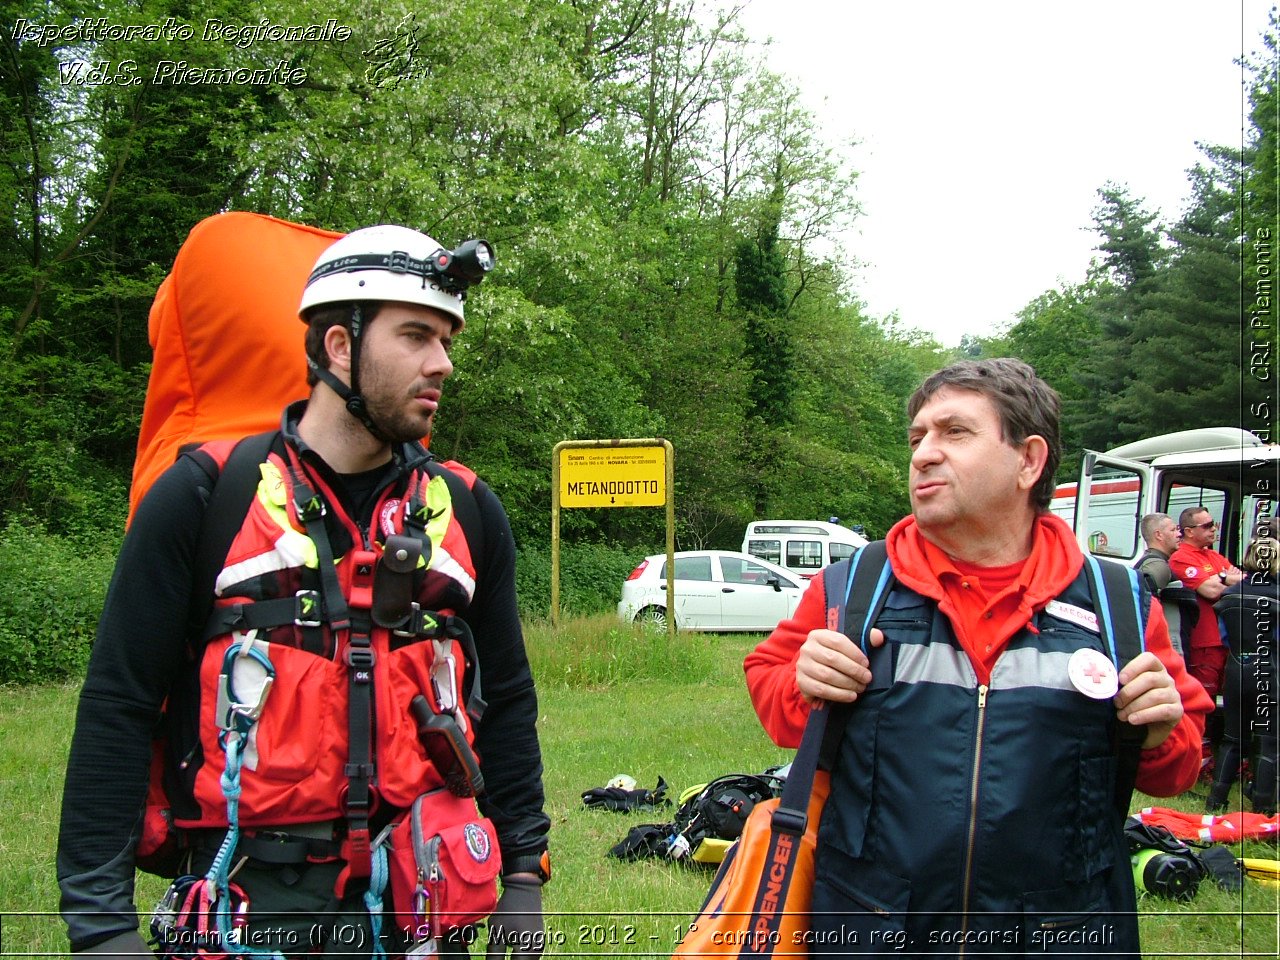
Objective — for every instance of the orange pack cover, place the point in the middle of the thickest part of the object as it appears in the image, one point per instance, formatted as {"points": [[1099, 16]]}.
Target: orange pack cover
{"points": [[226, 340]]}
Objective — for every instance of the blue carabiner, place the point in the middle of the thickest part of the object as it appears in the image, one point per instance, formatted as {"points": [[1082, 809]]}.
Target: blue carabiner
{"points": [[233, 714]]}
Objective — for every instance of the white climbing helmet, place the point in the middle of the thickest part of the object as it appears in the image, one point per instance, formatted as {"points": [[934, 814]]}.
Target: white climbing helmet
{"points": [[389, 262]]}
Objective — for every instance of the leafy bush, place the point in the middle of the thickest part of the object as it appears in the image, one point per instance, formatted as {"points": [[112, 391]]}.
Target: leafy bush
{"points": [[68, 430], [591, 576], [51, 593]]}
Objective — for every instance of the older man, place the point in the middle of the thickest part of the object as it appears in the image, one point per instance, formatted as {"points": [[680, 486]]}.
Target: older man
{"points": [[971, 804]]}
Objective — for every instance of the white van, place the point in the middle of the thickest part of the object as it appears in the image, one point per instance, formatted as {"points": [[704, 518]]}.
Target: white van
{"points": [[1232, 473], [802, 546], [1229, 471]]}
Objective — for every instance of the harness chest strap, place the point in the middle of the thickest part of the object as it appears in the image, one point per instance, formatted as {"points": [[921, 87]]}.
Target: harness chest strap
{"points": [[355, 622]]}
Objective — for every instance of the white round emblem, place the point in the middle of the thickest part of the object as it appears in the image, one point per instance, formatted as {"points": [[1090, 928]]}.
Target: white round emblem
{"points": [[1093, 674]]}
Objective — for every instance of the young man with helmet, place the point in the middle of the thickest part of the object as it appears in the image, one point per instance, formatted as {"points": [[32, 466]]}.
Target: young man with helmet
{"points": [[333, 674]]}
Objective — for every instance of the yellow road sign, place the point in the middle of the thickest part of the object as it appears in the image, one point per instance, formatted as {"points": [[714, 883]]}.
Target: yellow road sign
{"points": [[613, 476]]}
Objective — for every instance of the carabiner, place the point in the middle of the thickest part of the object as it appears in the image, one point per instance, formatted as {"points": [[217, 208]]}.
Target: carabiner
{"points": [[235, 714]]}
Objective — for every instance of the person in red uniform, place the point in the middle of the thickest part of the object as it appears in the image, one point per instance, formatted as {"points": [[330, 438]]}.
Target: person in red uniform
{"points": [[985, 560], [1208, 573]]}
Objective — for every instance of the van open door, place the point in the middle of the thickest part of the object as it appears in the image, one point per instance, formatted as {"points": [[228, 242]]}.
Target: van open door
{"points": [[1111, 498]]}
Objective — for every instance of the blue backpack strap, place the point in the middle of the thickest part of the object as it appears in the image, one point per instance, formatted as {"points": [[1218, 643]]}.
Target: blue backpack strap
{"points": [[869, 579], [856, 590], [853, 588], [1118, 598], [1118, 601]]}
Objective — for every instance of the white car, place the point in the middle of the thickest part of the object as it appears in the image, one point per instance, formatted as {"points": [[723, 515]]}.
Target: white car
{"points": [[714, 590]]}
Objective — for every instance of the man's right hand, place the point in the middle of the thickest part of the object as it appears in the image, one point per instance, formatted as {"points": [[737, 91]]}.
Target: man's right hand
{"points": [[832, 667], [120, 946]]}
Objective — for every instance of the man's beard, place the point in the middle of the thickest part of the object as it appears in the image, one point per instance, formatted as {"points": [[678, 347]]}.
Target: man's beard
{"points": [[395, 414]]}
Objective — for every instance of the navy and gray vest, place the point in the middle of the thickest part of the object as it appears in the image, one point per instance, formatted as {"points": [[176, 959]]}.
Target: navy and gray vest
{"points": [[975, 819]]}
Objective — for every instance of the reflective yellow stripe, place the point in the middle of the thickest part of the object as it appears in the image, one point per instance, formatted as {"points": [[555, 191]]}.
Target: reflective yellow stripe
{"points": [[439, 506], [291, 548]]}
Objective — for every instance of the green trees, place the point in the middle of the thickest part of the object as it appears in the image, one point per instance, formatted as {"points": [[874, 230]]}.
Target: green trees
{"points": [[1150, 343], [1122, 279], [1175, 327], [666, 216], [657, 201]]}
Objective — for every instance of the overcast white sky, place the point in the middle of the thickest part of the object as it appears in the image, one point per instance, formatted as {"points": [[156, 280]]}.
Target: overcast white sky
{"points": [[986, 128]]}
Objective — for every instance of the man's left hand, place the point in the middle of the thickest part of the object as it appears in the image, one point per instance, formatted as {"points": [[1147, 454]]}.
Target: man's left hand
{"points": [[1148, 697], [516, 923]]}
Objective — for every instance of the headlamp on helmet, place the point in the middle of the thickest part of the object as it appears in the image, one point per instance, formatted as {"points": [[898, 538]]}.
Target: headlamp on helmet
{"points": [[464, 267], [393, 263]]}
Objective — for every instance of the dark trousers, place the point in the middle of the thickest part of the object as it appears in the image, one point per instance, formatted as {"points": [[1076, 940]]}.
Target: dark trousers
{"points": [[1249, 732]]}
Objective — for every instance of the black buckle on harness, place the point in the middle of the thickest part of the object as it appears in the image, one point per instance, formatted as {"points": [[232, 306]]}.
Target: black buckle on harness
{"points": [[311, 509], [235, 619], [422, 623], [410, 628], [353, 770], [360, 659], [278, 848], [308, 608]]}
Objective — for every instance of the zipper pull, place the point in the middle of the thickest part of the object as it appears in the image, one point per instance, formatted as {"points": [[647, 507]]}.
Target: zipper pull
{"points": [[982, 696], [433, 852]]}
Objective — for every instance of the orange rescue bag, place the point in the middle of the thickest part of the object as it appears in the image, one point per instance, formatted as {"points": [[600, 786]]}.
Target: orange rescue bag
{"points": [[226, 338]]}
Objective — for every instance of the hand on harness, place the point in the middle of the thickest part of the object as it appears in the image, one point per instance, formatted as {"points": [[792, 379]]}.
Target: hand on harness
{"points": [[516, 923], [122, 945]]}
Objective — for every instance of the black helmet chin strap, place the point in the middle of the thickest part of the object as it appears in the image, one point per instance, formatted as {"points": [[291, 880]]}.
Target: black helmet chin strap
{"points": [[351, 395]]}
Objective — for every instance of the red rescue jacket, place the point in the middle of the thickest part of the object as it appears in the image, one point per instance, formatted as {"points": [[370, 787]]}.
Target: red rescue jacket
{"points": [[294, 767]]}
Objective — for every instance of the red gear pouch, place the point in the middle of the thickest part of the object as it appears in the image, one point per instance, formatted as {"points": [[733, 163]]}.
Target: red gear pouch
{"points": [[160, 848], [443, 863]]}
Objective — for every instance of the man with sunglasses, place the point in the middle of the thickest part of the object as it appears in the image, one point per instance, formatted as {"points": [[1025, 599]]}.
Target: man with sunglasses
{"points": [[1208, 573]]}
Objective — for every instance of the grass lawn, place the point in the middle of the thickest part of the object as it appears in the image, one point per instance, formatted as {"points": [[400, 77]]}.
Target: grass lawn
{"points": [[612, 701]]}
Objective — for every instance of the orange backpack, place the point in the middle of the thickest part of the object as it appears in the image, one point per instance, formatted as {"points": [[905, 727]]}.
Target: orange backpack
{"points": [[226, 338]]}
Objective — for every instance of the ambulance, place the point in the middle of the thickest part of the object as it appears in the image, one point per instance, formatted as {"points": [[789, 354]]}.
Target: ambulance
{"points": [[1229, 471]]}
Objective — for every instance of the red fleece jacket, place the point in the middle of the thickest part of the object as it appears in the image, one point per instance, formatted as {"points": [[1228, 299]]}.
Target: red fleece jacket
{"points": [[984, 621]]}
